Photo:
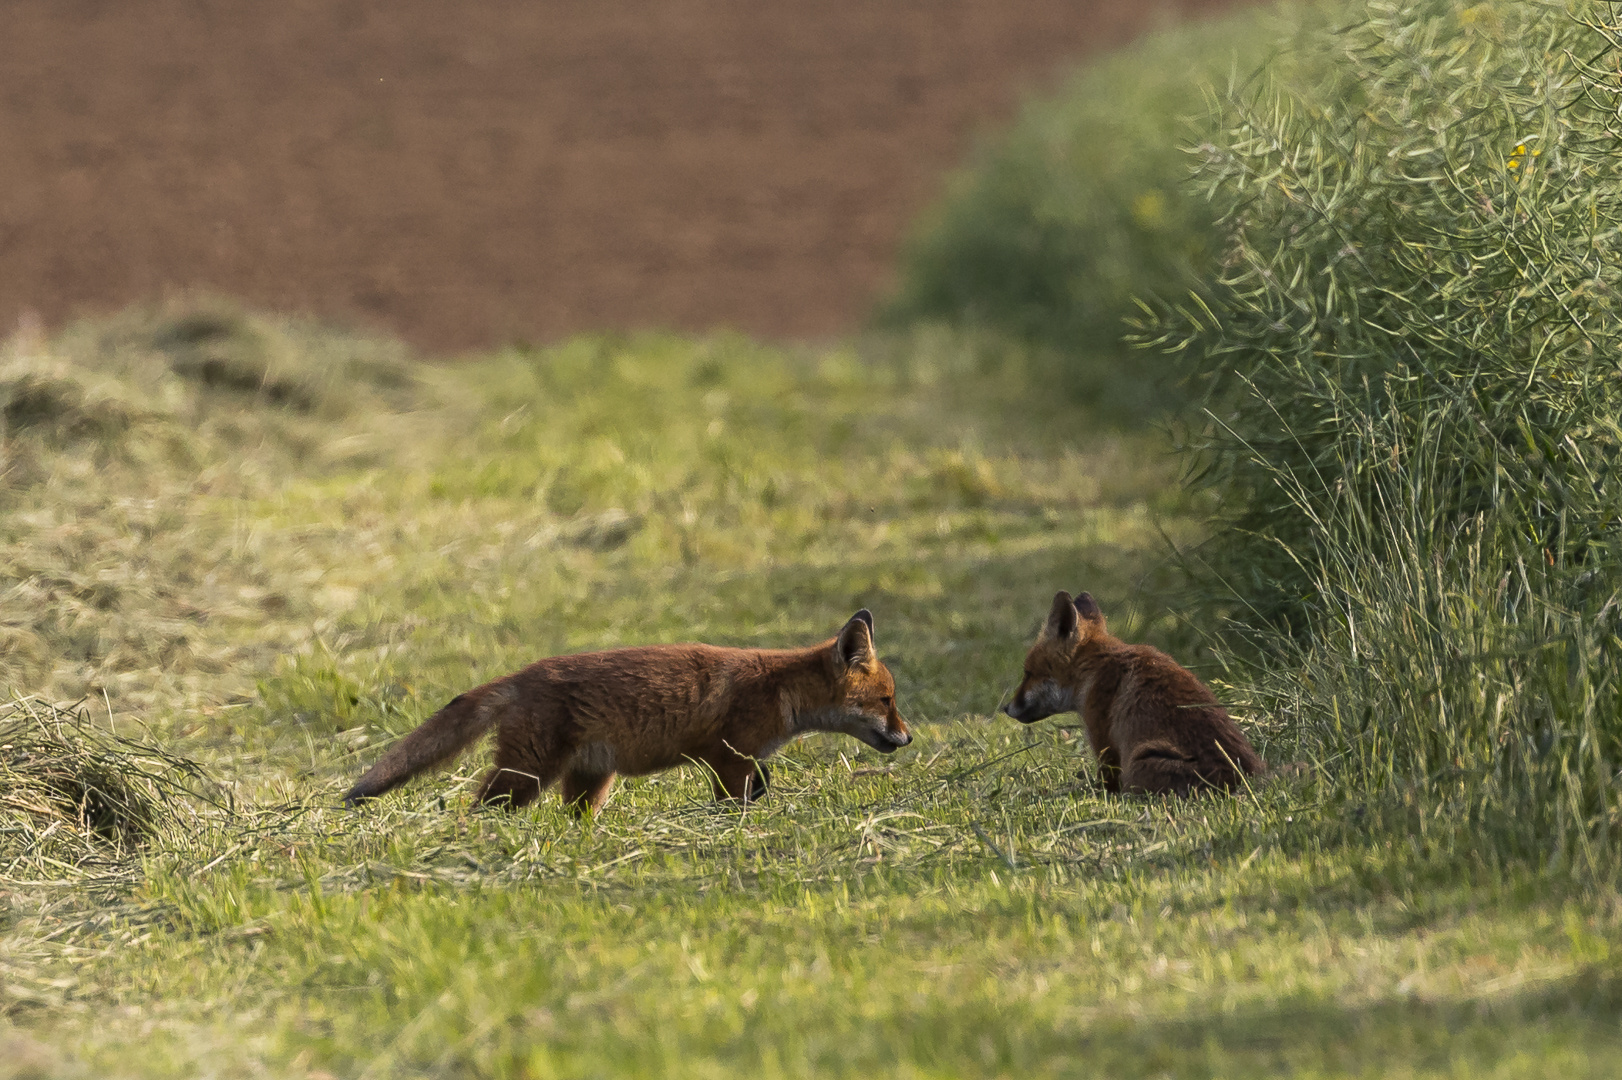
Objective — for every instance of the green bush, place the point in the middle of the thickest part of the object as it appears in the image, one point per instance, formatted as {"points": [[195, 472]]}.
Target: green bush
{"points": [[1410, 364], [1054, 230], [1419, 270]]}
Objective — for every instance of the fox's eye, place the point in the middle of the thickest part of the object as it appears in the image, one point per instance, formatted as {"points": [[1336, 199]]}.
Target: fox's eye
{"points": [[887, 701]]}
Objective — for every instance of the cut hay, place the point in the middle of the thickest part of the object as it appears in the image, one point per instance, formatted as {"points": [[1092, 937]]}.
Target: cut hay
{"points": [[51, 399], [78, 802]]}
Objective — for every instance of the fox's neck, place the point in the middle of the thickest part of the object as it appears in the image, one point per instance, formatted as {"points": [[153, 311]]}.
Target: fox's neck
{"points": [[1092, 657], [806, 689]]}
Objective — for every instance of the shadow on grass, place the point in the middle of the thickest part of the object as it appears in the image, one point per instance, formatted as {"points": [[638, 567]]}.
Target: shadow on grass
{"points": [[1566, 1028], [1569, 1022]]}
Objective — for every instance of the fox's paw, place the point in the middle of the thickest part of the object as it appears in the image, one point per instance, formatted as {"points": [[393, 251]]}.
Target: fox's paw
{"points": [[759, 781]]}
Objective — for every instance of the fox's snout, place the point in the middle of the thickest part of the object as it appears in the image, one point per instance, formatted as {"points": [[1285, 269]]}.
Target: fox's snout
{"points": [[896, 734], [888, 736], [1017, 709], [1038, 701]]}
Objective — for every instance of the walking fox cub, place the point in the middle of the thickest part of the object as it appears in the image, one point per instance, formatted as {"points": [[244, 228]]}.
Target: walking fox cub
{"points": [[582, 719], [1154, 726]]}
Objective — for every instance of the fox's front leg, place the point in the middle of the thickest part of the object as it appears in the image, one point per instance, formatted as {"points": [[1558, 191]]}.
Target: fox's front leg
{"points": [[1109, 771], [735, 777]]}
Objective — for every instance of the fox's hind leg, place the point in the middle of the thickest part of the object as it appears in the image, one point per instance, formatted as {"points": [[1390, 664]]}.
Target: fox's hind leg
{"points": [[530, 755], [1159, 769]]}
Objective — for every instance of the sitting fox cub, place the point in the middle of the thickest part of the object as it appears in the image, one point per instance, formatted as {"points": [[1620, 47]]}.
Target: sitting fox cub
{"points": [[584, 718], [1155, 727]]}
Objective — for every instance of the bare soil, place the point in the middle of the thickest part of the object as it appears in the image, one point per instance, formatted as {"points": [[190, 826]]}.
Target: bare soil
{"points": [[467, 173]]}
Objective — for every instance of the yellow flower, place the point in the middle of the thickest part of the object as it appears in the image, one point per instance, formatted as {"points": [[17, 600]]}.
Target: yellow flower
{"points": [[1520, 155]]}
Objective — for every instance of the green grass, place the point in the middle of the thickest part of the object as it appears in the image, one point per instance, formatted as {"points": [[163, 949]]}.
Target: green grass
{"points": [[273, 586], [1418, 271]]}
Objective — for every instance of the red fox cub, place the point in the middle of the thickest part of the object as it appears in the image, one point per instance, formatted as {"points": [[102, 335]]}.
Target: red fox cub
{"points": [[582, 719], [1154, 725]]}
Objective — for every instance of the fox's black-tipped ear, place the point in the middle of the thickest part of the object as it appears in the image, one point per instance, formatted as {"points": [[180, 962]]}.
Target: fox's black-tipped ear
{"points": [[1087, 607], [1061, 622], [855, 644]]}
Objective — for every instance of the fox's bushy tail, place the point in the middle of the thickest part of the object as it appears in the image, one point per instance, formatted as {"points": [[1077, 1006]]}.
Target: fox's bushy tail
{"points": [[436, 740]]}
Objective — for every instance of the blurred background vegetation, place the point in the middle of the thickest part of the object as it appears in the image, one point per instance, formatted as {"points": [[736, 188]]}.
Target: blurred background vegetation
{"points": [[1057, 231]]}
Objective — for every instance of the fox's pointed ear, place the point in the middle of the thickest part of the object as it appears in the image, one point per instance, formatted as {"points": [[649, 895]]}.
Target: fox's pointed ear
{"points": [[1061, 622], [1087, 607], [855, 645]]}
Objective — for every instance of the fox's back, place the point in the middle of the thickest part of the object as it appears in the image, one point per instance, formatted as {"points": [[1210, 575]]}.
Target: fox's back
{"points": [[650, 706], [1158, 698]]}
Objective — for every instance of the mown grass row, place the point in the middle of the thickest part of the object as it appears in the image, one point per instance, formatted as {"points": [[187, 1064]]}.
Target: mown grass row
{"points": [[969, 907]]}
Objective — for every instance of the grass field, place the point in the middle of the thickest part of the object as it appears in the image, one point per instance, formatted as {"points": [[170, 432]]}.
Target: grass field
{"points": [[270, 549]]}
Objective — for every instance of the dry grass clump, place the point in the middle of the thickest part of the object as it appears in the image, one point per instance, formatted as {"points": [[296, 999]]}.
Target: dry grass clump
{"points": [[51, 408], [169, 389], [79, 802], [223, 357], [48, 399]]}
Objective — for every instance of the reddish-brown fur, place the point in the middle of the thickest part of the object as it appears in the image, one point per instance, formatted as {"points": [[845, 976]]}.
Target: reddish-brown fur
{"points": [[580, 720], [1155, 727]]}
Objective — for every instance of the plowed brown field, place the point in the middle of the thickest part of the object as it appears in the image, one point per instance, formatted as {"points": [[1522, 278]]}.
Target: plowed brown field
{"points": [[462, 173]]}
